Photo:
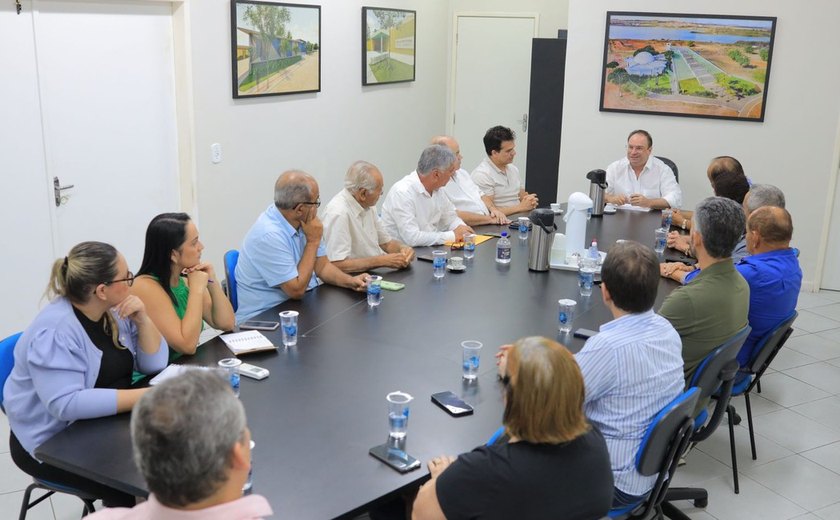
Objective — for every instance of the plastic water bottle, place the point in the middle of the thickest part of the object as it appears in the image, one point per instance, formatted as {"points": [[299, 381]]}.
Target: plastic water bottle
{"points": [[503, 249], [594, 255]]}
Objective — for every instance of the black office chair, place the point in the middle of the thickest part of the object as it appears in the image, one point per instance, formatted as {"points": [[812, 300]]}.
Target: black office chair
{"points": [[671, 164], [715, 375], [7, 362], [665, 441], [765, 351]]}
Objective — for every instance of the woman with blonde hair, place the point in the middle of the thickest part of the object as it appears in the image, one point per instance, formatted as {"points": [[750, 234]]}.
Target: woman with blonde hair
{"points": [[552, 464], [76, 359]]}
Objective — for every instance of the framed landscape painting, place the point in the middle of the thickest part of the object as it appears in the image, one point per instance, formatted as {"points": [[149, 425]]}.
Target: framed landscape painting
{"points": [[687, 65], [388, 45], [275, 48]]}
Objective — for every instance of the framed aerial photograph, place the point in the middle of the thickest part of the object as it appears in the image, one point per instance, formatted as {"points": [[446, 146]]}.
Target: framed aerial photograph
{"points": [[275, 48], [388, 45], [690, 65]]}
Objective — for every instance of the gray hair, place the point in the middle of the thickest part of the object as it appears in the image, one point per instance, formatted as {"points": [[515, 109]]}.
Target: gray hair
{"points": [[292, 188], [360, 177], [764, 195], [720, 222], [435, 157], [183, 431]]}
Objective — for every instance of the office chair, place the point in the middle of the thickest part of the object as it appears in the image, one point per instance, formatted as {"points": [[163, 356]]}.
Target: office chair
{"points": [[231, 259], [764, 352], [665, 441], [716, 374], [7, 362], [671, 164]]}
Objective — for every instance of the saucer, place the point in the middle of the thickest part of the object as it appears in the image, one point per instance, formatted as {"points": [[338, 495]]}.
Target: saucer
{"points": [[456, 269], [609, 209]]}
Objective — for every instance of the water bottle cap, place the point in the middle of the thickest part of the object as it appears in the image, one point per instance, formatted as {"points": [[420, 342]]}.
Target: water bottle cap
{"points": [[504, 234]]}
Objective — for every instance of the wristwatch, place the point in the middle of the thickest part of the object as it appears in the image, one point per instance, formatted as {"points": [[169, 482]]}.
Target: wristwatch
{"points": [[683, 225]]}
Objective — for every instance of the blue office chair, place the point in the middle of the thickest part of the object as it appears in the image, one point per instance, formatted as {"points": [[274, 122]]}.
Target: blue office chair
{"points": [[231, 259], [671, 164], [764, 352], [715, 375], [665, 441], [7, 362]]}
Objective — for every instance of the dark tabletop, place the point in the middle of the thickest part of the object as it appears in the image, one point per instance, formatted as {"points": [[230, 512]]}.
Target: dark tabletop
{"points": [[323, 406]]}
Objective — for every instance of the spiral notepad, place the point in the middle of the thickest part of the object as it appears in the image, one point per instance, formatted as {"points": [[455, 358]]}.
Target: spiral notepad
{"points": [[247, 341]]}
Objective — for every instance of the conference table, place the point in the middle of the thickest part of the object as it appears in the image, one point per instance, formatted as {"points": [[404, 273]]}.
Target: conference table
{"points": [[323, 406]]}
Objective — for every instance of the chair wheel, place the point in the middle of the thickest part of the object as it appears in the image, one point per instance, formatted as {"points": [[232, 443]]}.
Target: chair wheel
{"points": [[701, 502]]}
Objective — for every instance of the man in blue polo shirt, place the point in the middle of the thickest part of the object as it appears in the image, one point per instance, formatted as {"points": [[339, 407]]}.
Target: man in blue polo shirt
{"points": [[772, 272], [282, 255]]}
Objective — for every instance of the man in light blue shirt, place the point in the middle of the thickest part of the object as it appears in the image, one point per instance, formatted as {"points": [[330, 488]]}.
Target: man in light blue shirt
{"points": [[282, 255], [633, 367]]}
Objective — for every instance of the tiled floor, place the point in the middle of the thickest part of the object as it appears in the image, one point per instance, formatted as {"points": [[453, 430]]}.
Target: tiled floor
{"points": [[797, 422]]}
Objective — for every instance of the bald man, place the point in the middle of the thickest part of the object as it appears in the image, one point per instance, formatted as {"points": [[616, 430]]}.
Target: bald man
{"points": [[464, 194], [772, 272], [282, 252]]}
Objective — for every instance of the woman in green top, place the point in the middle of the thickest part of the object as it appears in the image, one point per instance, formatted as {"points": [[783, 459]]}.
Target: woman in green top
{"points": [[179, 290]]}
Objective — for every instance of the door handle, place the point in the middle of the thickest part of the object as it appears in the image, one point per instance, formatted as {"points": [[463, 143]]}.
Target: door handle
{"points": [[57, 189], [524, 122]]}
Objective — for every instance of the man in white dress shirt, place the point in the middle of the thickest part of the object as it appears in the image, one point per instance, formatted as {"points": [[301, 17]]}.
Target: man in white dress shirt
{"points": [[641, 179], [497, 177], [356, 240], [464, 194], [416, 211]]}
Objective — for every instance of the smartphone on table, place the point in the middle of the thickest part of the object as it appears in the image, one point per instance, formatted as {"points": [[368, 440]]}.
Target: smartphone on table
{"points": [[259, 325], [395, 457], [452, 404]]}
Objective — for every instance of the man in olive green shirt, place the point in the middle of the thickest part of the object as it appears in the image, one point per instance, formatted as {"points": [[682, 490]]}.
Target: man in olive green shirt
{"points": [[714, 305]]}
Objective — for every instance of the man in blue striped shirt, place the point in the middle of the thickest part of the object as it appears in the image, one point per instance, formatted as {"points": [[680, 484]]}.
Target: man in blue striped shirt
{"points": [[633, 367]]}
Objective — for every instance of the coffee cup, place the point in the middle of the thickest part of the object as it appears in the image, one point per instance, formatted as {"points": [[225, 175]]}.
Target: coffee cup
{"points": [[555, 206], [456, 262]]}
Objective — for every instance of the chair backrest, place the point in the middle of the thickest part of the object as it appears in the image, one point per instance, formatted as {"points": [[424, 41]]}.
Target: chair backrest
{"points": [[231, 259], [671, 164], [769, 344], [7, 361], [708, 376], [666, 439]]}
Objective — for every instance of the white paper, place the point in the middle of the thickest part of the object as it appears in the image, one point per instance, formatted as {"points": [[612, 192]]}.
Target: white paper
{"points": [[247, 341]]}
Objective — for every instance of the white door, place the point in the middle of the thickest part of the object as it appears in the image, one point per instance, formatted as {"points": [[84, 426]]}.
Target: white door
{"points": [[831, 266], [98, 113], [491, 81]]}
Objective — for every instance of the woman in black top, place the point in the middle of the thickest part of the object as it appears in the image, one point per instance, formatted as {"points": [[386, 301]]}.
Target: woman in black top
{"points": [[552, 465]]}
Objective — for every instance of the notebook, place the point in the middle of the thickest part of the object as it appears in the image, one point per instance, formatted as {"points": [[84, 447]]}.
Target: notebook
{"points": [[247, 341]]}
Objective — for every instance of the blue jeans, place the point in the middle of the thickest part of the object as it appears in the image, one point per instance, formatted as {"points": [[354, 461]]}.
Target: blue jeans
{"points": [[622, 499]]}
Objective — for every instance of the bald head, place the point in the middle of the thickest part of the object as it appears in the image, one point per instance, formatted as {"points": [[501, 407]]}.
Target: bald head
{"points": [[292, 188], [452, 144], [724, 165], [773, 224]]}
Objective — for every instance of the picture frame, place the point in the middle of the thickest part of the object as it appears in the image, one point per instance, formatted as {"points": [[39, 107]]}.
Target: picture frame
{"points": [[687, 65], [275, 48], [388, 45]]}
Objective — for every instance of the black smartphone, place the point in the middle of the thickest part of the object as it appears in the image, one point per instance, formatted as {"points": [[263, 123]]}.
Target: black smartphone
{"points": [[426, 258], [453, 404], [395, 457], [584, 333], [259, 325]]}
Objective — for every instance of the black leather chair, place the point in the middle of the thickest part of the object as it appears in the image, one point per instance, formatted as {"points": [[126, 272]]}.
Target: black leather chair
{"points": [[715, 375], [750, 376], [665, 441], [671, 164]]}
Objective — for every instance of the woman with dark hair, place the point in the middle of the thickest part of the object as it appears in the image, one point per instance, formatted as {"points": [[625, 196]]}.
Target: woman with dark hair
{"points": [[76, 359], [179, 290], [553, 464]]}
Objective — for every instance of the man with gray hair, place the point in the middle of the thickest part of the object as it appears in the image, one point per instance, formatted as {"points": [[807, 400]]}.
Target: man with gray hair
{"points": [[761, 195], [283, 252], [192, 445], [356, 240], [714, 306], [416, 211]]}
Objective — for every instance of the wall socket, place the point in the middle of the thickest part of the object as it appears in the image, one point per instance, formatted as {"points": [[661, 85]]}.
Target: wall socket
{"points": [[216, 153]]}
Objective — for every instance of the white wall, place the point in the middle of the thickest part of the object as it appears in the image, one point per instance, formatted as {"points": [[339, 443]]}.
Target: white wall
{"points": [[792, 149], [321, 133]]}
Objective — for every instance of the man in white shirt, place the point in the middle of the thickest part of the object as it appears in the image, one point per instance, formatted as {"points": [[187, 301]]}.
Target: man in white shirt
{"points": [[464, 194], [641, 179], [416, 211], [498, 179], [356, 240]]}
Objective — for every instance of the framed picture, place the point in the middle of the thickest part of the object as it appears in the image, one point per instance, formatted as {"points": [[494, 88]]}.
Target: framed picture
{"points": [[388, 45], [691, 65], [275, 48]]}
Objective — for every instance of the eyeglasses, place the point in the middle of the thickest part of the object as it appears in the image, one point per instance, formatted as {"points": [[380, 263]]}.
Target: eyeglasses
{"points": [[129, 280], [317, 203]]}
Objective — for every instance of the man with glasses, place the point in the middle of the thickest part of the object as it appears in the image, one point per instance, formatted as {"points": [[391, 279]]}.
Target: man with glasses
{"points": [[282, 255], [497, 177], [416, 211], [641, 179]]}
